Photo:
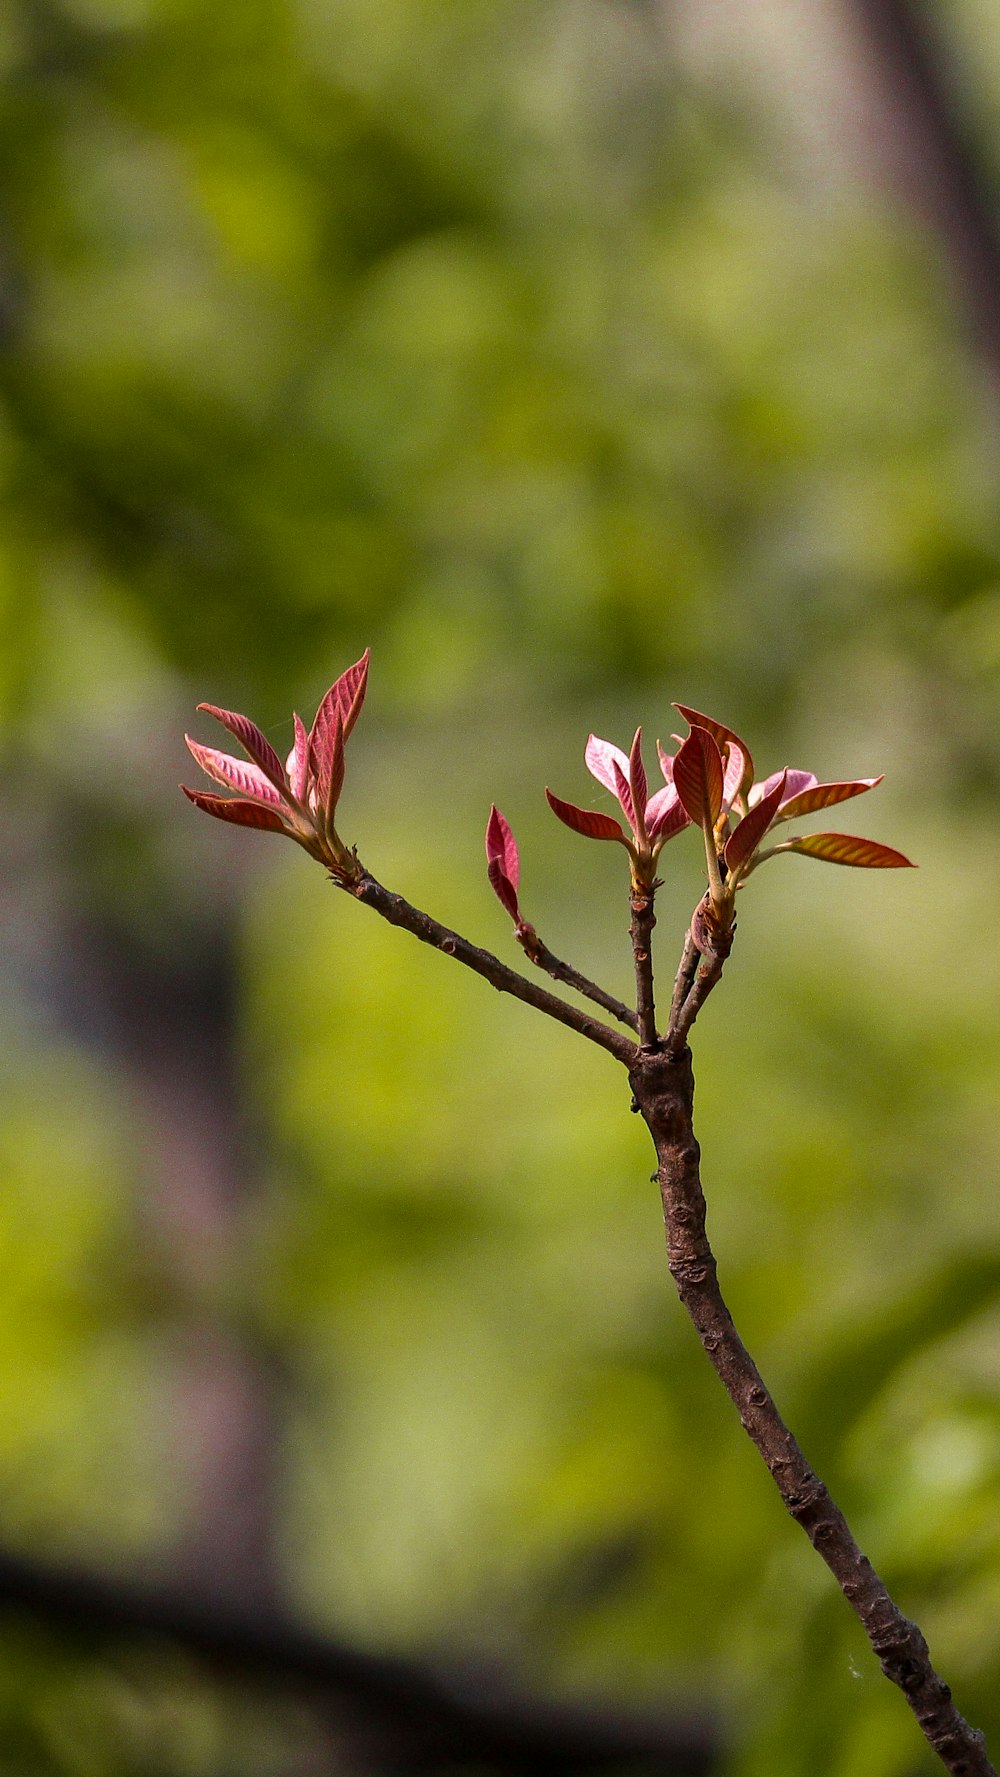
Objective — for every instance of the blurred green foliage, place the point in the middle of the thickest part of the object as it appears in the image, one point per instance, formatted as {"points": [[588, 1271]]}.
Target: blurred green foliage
{"points": [[480, 333]]}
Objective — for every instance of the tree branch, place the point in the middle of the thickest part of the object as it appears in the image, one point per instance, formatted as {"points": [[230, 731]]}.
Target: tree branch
{"points": [[683, 981], [540, 954], [708, 972], [399, 912], [700, 970], [641, 934], [663, 1089]]}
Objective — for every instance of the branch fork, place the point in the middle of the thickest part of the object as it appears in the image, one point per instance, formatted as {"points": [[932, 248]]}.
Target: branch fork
{"points": [[708, 784]]}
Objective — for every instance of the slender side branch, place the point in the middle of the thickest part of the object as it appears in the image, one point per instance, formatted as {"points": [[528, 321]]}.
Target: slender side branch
{"points": [[430, 931], [683, 981], [540, 954], [707, 974], [663, 1088], [641, 934], [700, 969]]}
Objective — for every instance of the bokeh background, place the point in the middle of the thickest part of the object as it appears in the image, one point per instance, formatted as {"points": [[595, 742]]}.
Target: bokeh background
{"points": [[577, 355]]}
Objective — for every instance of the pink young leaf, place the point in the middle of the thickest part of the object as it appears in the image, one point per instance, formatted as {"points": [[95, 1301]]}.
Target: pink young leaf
{"points": [[795, 783], [601, 758], [297, 765], [624, 795], [235, 774], [585, 820], [844, 848], [346, 694], [659, 804], [735, 773], [824, 796], [330, 792], [698, 777], [352, 686], [501, 846], [252, 740], [725, 738], [504, 889], [638, 783], [243, 814], [666, 764], [743, 842], [670, 818]]}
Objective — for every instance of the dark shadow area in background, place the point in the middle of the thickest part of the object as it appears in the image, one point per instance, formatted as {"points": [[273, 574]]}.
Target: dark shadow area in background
{"points": [[390, 1715]]}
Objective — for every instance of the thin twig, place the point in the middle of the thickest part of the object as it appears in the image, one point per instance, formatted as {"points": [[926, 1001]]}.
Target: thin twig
{"points": [[540, 954], [683, 981], [641, 934], [707, 975], [663, 1089], [400, 912], [708, 943]]}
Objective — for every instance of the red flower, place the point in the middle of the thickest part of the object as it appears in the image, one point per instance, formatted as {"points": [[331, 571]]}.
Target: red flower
{"points": [[300, 797]]}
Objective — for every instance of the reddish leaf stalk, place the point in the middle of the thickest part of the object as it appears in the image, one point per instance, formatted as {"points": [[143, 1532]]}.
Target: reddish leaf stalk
{"points": [[429, 931], [663, 1089]]}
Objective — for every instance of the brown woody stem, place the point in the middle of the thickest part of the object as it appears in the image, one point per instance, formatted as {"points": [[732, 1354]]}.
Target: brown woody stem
{"points": [[707, 974], [430, 931], [540, 954], [663, 1088], [683, 981], [641, 934]]}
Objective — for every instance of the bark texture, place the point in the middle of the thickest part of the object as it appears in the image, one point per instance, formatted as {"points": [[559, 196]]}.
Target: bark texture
{"points": [[641, 934], [663, 1088]]}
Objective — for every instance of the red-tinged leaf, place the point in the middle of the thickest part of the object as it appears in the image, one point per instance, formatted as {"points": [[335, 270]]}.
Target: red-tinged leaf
{"points": [[235, 774], [844, 848], [660, 804], [671, 817], [601, 758], [698, 777], [724, 738], [818, 796], [242, 814], [666, 764], [330, 792], [795, 783], [501, 846], [297, 765], [252, 741], [504, 889], [624, 795], [735, 775], [743, 842], [638, 783], [352, 686], [346, 694], [585, 820]]}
